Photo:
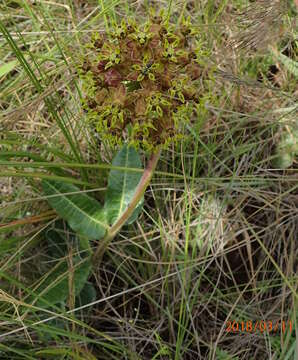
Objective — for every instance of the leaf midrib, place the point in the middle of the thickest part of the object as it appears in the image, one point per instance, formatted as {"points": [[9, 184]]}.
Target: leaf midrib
{"points": [[79, 209], [124, 186]]}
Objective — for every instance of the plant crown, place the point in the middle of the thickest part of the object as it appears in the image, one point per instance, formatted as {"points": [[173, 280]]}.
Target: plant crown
{"points": [[141, 82]]}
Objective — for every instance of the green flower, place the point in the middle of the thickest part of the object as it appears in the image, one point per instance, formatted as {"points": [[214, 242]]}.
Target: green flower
{"points": [[141, 82]]}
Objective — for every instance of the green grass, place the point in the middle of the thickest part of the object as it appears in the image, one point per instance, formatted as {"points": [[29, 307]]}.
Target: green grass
{"points": [[217, 240]]}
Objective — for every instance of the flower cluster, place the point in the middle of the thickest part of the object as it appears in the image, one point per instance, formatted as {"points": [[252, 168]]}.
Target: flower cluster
{"points": [[142, 81]]}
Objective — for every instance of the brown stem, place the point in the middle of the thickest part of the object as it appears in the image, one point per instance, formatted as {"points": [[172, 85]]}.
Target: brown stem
{"points": [[139, 192]]}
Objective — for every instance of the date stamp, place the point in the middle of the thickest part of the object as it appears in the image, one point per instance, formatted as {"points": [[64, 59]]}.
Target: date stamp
{"points": [[261, 326]]}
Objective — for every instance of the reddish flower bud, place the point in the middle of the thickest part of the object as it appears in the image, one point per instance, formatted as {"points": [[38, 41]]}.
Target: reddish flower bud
{"points": [[112, 78]]}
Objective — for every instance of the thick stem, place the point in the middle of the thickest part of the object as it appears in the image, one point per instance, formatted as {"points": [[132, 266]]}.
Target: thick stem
{"points": [[139, 192]]}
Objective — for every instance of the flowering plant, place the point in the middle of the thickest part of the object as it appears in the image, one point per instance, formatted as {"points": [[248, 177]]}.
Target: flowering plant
{"points": [[142, 81], [140, 84]]}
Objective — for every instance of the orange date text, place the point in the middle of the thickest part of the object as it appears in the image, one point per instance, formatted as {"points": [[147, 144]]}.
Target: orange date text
{"points": [[259, 326]]}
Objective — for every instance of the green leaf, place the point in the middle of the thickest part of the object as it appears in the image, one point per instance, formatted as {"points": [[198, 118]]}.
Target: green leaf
{"points": [[57, 244], [122, 185], [8, 67], [86, 296], [83, 213], [55, 288]]}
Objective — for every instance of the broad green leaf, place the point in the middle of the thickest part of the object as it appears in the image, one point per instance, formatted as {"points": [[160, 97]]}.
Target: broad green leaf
{"points": [[83, 213], [122, 185], [8, 67], [86, 296], [57, 244], [59, 237], [55, 288]]}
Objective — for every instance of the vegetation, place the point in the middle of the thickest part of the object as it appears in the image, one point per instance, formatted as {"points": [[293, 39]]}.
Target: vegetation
{"points": [[148, 180], [142, 80]]}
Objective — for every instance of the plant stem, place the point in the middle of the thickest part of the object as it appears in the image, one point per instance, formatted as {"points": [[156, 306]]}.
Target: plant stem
{"points": [[139, 192]]}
